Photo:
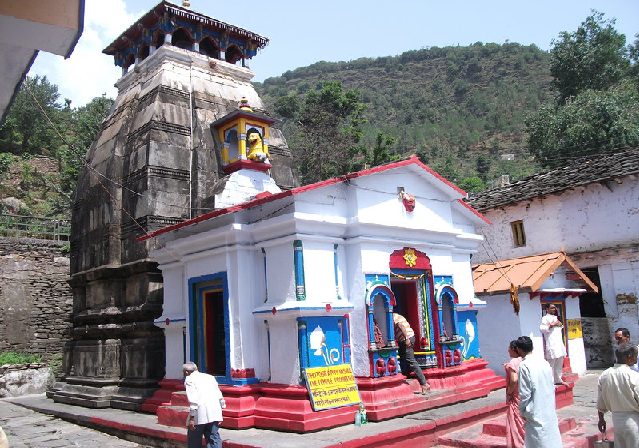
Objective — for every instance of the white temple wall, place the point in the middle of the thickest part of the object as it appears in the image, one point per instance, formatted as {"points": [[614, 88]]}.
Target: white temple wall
{"points": [[175, 306], [246, 291], [498, 325], [325, 203], [356, 287], [319, 272], [285, 362], [463, 278], [280, 272]]}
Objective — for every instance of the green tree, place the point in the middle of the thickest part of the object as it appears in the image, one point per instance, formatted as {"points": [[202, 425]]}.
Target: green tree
{"points": [[26, 129], [483, 163], [593, 122], [381, 150], [593, 57], [472, 184], [85, 124], [327, 130], [87, 121]]}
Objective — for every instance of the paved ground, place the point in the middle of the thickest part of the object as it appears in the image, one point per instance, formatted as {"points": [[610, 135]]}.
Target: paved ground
{"points": [[26, 428], [29, 429]]}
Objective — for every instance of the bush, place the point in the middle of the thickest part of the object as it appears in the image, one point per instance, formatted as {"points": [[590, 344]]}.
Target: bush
{"points": [[18, 358]]}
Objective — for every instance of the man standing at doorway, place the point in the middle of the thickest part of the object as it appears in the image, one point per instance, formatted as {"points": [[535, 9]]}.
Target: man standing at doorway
{"points": [[537, 399], [551, 328], [405, 337], [619, 394], [623, 335], [205, 407]]}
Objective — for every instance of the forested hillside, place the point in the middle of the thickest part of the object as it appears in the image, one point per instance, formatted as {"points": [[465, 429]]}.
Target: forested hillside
{"points": [[472, 113], [462, 109]]}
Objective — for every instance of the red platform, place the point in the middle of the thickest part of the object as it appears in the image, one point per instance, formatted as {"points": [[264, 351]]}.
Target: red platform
{"points": [[288, 408]]}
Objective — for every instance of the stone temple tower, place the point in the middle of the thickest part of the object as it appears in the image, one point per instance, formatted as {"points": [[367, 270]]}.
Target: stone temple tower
{"points": [[155, 163]]}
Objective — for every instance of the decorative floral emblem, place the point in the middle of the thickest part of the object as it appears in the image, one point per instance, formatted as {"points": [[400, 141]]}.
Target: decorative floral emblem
{"points": [[410, 257]]}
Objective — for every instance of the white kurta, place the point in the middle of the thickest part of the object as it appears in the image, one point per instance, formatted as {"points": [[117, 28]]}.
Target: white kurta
{"points": [[555, 347], [204, 398], [537, 403], [619, 393]]}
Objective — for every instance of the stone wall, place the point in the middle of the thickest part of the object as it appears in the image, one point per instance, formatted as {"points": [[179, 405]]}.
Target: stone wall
{"points": [[598, 342], [35, 300]]}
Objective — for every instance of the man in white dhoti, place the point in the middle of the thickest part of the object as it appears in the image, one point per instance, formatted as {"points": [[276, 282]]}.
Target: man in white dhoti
{"points": [[551, 328], [537, 399], [619, 394], [205, 407]]}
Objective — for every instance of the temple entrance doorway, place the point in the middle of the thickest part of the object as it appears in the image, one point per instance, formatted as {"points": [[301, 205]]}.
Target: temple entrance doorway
{"points": [[209, 347], [407, 304], [214, 340]]}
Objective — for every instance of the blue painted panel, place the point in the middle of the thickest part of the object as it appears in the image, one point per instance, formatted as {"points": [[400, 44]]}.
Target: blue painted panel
{"points": [[378, 278], [321, 341], [467, 325]]}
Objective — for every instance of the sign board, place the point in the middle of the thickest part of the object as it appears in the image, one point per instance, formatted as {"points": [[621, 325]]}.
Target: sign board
{"points": [[331, 386], [574, 328]]}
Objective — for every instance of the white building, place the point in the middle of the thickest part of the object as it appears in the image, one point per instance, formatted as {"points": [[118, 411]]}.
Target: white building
{"points": [[259, 292], [516, 292], [589, 209]]}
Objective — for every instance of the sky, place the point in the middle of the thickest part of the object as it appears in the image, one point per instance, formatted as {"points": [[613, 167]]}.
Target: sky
{"points": [[302, 33]]}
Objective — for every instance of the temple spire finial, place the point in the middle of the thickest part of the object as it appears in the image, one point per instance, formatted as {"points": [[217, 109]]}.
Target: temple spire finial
{"points": [[244, 105], [186, 3]]}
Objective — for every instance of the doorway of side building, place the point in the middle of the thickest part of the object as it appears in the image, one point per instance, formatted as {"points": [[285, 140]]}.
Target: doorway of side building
{"points": [[596, 325], [561, 315]]}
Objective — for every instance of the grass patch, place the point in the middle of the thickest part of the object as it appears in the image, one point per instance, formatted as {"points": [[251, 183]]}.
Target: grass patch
{"points": [[18, 358]]}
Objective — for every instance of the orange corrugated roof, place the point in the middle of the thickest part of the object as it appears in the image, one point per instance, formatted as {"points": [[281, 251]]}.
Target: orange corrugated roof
{"points": [[526, 273]]}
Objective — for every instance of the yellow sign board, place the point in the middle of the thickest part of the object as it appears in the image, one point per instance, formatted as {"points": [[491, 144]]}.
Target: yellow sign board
{"points": [[574, 328], [331, 386]]}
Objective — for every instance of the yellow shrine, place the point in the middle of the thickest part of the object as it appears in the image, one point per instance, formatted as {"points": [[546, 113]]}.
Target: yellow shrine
{"points": [[244, 135]]}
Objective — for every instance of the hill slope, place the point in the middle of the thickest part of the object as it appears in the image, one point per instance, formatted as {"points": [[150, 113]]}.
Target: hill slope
{"points": [[449, 105]]}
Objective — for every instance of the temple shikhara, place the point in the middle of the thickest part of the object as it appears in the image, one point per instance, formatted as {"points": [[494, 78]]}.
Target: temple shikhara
{"points": [[196, 243]]}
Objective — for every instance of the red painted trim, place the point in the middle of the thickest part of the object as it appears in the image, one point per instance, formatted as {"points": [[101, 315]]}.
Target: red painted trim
{"points": [[413, 160], [397, 261], [242, 373], [246, 165]]}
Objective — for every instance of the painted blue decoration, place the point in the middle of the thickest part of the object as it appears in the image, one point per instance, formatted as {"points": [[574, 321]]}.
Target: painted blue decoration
{"points": [[467, 324], [322, 341], [300, 288]]}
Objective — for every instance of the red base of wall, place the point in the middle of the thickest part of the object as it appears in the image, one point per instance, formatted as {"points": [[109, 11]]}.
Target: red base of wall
{"points": [[288, 408]]}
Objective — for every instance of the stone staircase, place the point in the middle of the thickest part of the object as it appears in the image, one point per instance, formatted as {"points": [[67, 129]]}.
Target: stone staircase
{"points": [[491, 433]]}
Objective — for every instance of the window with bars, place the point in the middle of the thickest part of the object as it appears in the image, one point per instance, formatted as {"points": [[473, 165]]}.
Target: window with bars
{"points": [[519, 236]]}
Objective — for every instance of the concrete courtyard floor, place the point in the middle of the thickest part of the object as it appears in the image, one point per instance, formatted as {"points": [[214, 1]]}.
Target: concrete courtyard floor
{"points": [[141, 430]]}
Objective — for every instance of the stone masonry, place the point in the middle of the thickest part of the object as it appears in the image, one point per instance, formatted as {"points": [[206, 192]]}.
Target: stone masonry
{"points": [[35, 299]]}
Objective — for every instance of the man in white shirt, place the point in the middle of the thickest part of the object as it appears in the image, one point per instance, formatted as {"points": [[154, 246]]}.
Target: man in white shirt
{"points": [[619, 394], [623, 335], [537, 399], [551, 327], [205, 407]]}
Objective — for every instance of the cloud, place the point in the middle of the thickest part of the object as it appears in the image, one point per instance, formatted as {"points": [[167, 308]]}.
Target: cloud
{"points": [[88, 72]]}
